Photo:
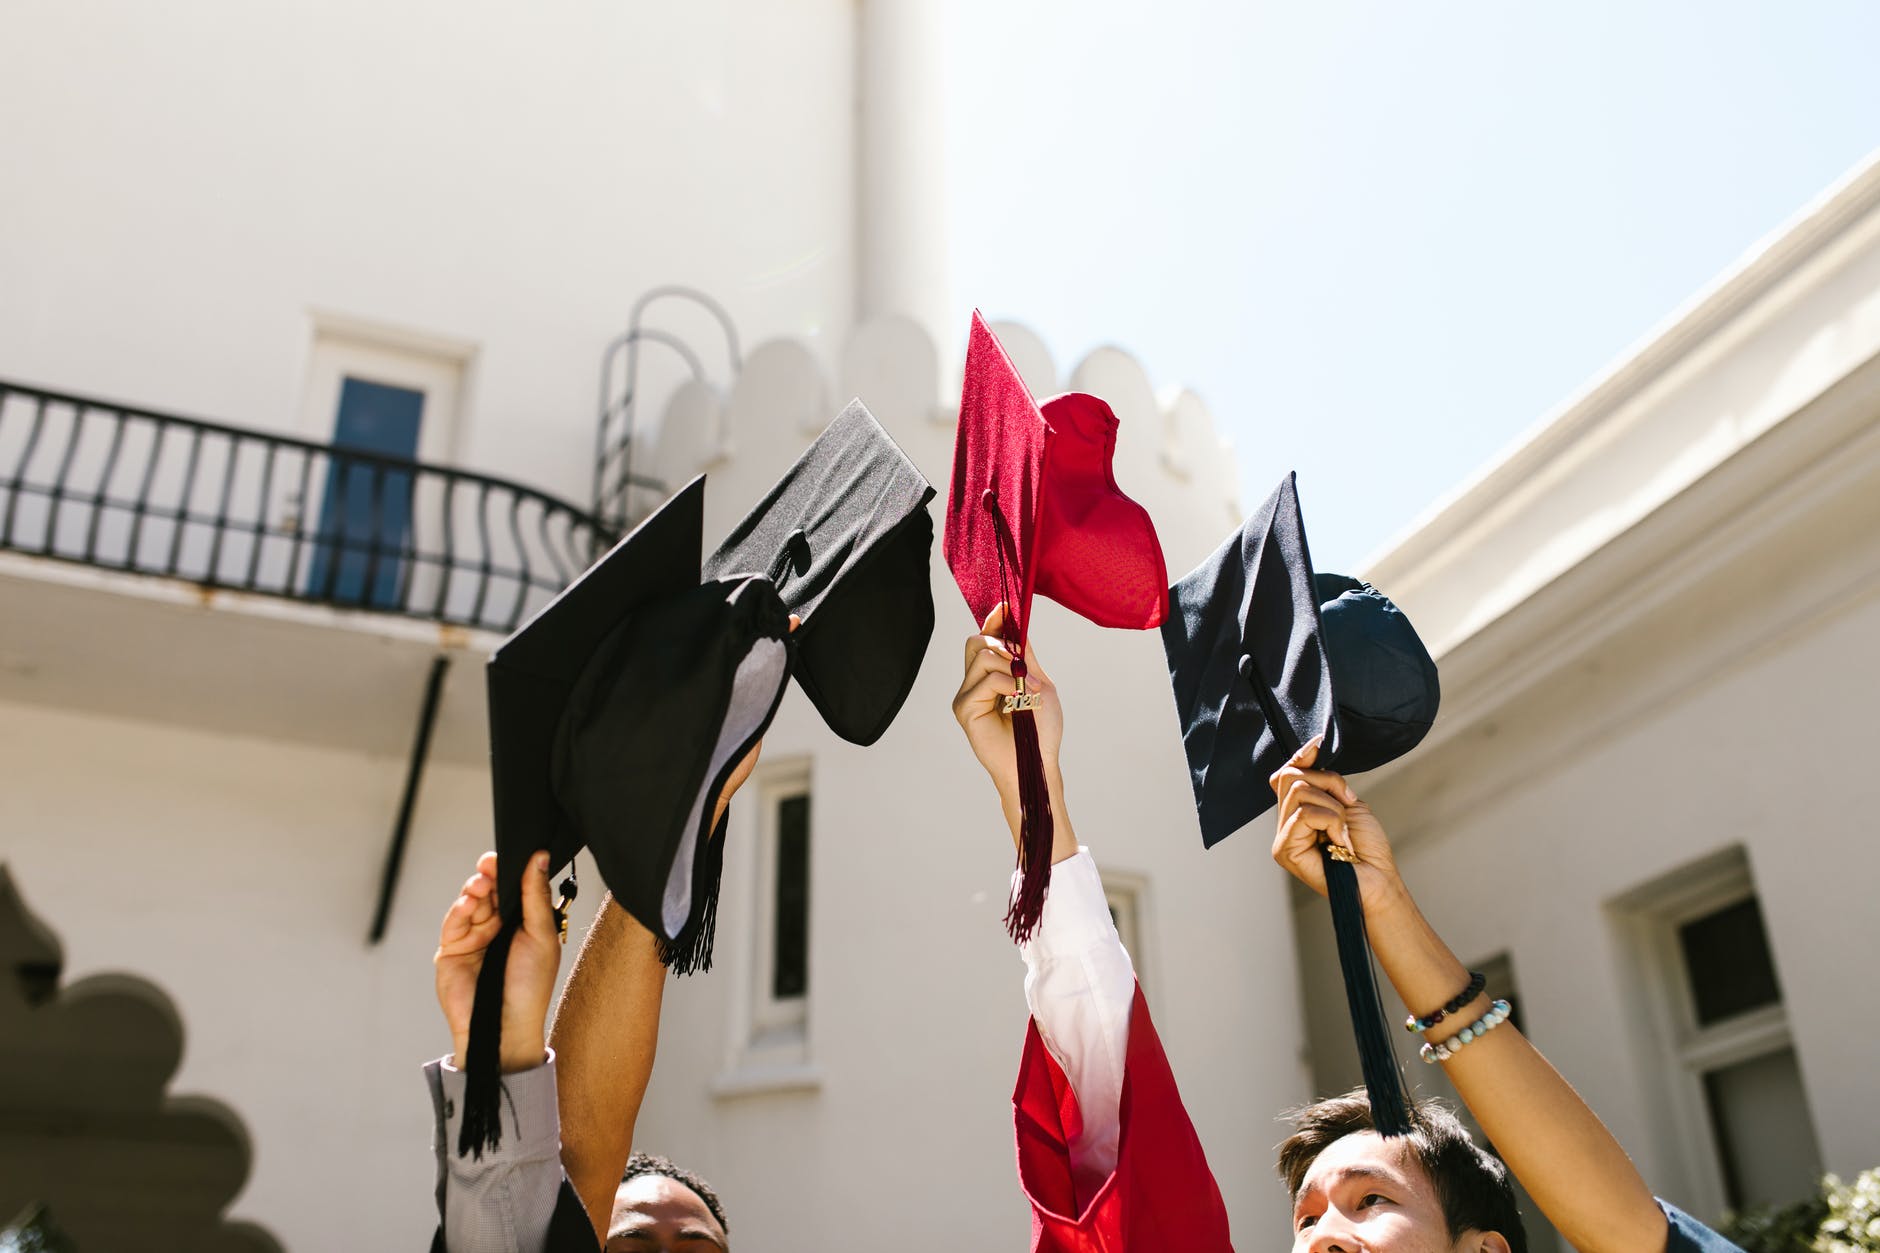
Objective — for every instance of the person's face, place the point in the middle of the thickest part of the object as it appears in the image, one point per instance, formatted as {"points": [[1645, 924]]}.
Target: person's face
{"points": [[654, 1214], [1367, 1194]]}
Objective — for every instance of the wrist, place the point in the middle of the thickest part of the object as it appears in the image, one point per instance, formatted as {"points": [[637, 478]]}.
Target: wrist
{"points": [[1386, 900], [1054, 792], [528, 1056]]}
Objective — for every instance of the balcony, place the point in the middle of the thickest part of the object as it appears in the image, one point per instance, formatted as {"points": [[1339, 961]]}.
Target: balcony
{"points": [[228, 509]]}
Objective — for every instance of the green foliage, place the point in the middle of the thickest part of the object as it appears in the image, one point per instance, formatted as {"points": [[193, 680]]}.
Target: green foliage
{"points": [[1853, 1222], [1779, 1229], [1843, 1218]]}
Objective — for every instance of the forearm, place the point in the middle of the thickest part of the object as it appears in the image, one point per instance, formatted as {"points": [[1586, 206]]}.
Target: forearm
{"points": [[1063, 838], [605, 1034], [1553, 1142]]}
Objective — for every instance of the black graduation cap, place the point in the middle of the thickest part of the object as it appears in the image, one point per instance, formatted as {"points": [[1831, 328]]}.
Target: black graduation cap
{"points": [[845, 538], [619, 711], [1263, 655]]}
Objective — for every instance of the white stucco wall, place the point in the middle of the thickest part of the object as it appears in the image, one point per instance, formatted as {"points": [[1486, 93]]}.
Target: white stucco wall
{"points": [[192, 185]]}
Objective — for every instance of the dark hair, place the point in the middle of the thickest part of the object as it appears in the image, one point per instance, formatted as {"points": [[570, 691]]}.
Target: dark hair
{"points": [[1471, 1183], [653, 1164]]}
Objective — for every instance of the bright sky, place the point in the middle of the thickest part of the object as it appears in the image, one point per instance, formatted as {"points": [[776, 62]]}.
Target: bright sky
{"points": [[1382, 240]]}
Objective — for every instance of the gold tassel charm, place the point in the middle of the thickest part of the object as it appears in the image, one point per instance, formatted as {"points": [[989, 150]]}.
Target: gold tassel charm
{"points": [[1020, 700]]}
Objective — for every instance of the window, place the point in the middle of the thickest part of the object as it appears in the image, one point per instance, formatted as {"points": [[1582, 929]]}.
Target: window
{"points": [[377, 392], [1128, 896], [1734, 1075], [789, 950], [769, 1046], [1434, 1081], [1737, 1046]]}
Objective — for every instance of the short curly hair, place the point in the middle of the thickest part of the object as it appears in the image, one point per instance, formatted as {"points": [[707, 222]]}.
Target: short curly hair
{"points": [[653, 1164], [1472, 1185]]}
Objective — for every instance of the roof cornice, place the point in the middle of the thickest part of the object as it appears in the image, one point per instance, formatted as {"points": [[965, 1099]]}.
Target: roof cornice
{"points": [[1537, 511]]}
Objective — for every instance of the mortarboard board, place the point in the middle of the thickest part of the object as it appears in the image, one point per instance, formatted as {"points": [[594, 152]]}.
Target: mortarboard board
{"points": [[1263, 655], [1034, 507], [618, 712]]}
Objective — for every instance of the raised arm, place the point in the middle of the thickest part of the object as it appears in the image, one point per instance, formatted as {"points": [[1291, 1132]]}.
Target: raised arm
{"points": [[1079, 983], [976, 707], [505, 1197], [1552, 1141], [605, 1033]]}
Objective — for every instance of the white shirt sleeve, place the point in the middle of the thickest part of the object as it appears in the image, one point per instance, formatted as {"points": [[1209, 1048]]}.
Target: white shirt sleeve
{"points": [[503, 1201], [1081, 987]]}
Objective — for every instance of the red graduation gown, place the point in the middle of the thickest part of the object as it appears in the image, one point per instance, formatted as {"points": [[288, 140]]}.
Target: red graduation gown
{"points": [[1161, 1195]]}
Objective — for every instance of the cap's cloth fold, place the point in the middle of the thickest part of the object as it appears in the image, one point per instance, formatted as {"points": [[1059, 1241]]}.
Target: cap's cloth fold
{"points": [[619, 712], [1034, 504], [845, 538]]}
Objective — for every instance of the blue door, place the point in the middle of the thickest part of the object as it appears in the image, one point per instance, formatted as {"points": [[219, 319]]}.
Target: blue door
{"points": [[366, 514]]}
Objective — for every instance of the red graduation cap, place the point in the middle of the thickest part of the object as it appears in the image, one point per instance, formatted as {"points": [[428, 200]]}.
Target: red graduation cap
{"points": [[1034, 507]]}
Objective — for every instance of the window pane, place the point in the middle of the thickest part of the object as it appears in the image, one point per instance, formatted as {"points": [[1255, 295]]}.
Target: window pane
{"points": [[790, 978], [1727, 957], [1765, 1137]]}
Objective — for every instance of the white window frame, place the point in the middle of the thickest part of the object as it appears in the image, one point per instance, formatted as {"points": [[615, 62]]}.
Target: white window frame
{"points": [[769, 1046], [1690, 1052], [1129, 899], [344, 347]]}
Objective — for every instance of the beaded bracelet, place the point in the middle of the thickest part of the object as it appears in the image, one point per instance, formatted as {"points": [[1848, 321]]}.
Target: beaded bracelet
{"points": [[1496, 1015], [1477, 981]]}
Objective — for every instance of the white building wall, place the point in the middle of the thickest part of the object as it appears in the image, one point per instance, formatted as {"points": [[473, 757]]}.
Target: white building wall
{"points": [[194, 188], [239, 875]]}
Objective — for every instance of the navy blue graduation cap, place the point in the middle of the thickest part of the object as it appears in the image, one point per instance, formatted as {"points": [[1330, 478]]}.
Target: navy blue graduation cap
{"points": [[1263, 655]]}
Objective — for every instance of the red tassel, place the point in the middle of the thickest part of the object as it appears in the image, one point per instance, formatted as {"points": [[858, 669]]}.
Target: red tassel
{"points": [[1035, 827]]}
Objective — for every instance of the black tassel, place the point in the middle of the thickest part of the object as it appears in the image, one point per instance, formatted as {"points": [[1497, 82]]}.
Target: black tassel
{"points": [[1383, 1083], [483, 1071], [690, 952], [1036, 829]]}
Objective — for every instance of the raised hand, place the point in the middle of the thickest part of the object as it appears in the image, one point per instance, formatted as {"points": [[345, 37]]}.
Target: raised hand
{"points": [[977, 708], [1318, 807], [988, 729], [470, 924]]}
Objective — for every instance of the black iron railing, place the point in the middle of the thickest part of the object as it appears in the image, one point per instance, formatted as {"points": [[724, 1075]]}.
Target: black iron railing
{"points": [[129, 489]]}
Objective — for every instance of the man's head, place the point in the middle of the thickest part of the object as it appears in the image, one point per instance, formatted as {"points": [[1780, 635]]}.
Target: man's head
{"points": [[663, 1208], [1432, 1191]]}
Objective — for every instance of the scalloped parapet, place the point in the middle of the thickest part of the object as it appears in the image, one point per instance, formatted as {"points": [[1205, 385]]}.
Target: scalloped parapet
{"points": [[90, 1130], [1170, 454]]}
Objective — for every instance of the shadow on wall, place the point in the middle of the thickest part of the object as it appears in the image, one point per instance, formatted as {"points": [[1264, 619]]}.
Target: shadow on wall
{"points": [[85, 1127]]}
